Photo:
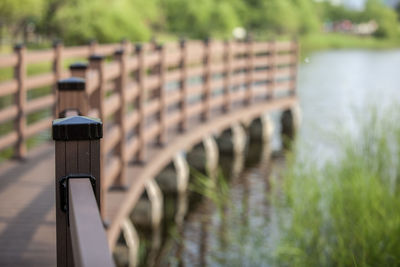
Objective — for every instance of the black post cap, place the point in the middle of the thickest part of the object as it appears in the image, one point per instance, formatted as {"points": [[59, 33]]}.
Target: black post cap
{"points": [[138, 47], [96, 57], [182, 42], [159, 47], [119, 52], [57, 42], [77, 128], [71, 84], [78, 66], [19, 46]]}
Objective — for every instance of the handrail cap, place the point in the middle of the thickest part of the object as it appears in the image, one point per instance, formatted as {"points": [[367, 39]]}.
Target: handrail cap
{"points": [[78, 66], [77, 128]]}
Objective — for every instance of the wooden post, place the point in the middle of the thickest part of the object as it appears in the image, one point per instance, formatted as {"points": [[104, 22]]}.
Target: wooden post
{"points": [[207, 81], [57, 69], [183, 86], [77, 156], [249, 75], [140, 156], [120, 56], [96, 62], [161, 139], [272, 69], [71, 97], [228, 76], [295, 55], [20, 100], [92, 47]]}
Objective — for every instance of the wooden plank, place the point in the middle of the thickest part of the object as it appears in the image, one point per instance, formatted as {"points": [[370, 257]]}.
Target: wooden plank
{"points": [[111, 71], [76, 52], [45, 79], [173, 97], [38, 127], [131, 120], [8, 61], [112, 104], [8, 140], [132, 147], [113, 138], [39, 56], [132, 91], [9, 87], [39, 103], [8, 113], [228, 76], [111, 172], [174, 75]]}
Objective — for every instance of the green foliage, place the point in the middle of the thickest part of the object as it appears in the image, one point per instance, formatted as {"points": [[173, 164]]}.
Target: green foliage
{"points": [[384, 16], [346, 213], [200, 19]]}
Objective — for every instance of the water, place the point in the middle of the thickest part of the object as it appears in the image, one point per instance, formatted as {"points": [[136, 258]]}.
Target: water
{"points": [[335, 88]]}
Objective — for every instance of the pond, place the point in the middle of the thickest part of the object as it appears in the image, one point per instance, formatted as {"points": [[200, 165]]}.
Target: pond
{"points": [[335, 88]]}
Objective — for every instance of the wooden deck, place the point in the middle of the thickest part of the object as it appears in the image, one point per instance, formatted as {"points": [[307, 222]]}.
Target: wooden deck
{"points": [[27, 214]]}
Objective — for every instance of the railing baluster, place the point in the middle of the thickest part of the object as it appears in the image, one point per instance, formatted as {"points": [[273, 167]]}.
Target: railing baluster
{"points": [[140, 157], [228, 76], [272, 69], [249, 72], [183, 86], [20, 99], [206, 80], [295, 58], [120, 56], [57, 69], [162, 138]]}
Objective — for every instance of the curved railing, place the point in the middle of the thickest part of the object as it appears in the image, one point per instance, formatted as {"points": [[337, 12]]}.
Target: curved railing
{"points": [[152, 100]]}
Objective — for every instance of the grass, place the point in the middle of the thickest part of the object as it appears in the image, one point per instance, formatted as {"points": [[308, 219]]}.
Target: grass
{"points": [[347, 212], [324, 41]]}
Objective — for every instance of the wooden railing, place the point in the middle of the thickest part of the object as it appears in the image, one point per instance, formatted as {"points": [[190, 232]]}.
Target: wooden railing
{"points": [[140, 93]]}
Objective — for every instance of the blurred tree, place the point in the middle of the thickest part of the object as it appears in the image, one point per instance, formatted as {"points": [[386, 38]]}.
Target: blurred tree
{"points": [[108, 21], [201, 18], [307, 16], [17, 15], [384, 16]]}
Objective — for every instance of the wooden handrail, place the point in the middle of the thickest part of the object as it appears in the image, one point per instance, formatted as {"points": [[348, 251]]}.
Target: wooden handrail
{"points": [[88, 238]]}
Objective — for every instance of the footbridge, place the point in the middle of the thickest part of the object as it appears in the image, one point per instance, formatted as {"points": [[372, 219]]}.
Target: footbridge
{"points": [[75, 200]]}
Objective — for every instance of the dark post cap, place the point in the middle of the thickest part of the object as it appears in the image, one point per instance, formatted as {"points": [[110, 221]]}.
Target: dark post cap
{"points": [[71, 84], [96, 57], [78, 66], [138, 47], [182, 42], [159, 47], [57, 42], [77, 128], [19, 46], [119, 52]]}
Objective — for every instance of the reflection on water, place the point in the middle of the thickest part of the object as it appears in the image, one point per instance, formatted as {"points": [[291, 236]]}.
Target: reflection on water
{"points": [[333, 87]]}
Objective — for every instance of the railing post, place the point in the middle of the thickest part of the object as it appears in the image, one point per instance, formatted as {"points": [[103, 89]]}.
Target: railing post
{"points": [[77, 155], [120, 56], [207, 80], [20, 100], [96, 62], [249, 75], [295, 56], [92, 47], [71, 97], [272, 83], [161, 139], [228, 76], [57, 69], [183, 86], [140, 156]]}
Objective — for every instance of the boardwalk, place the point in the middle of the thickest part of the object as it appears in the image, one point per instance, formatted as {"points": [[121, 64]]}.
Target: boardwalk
{"points": [[159, 106]]}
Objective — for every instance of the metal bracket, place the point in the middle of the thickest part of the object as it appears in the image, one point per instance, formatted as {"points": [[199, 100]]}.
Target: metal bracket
{"points": [[63, 184]]}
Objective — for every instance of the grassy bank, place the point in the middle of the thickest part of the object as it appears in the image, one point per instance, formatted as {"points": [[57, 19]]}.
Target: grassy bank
{"points": [[314, 42], [346, 213]]}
